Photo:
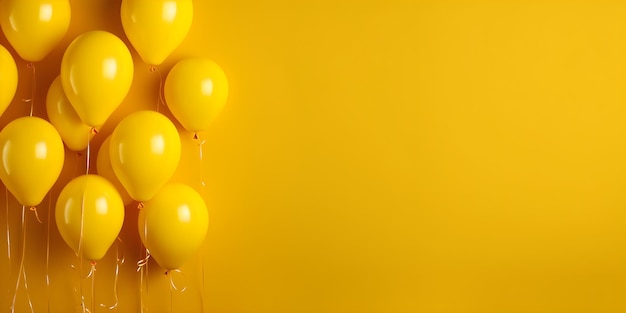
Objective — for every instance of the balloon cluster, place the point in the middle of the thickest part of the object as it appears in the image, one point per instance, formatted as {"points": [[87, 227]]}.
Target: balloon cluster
{"points": [[137, 161]]}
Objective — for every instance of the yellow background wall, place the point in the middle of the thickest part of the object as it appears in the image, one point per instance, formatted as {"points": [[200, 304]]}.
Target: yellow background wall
{"points": [[382, 156]]}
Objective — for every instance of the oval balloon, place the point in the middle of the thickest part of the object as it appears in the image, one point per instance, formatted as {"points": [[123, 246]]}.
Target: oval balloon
{"points": [[96, 74], [8, 79], [196, 91], [104, 168], [144, 151], [93, 202], [173, 225], [156, 27], [32, 158], [34, 27], [61, 114]]}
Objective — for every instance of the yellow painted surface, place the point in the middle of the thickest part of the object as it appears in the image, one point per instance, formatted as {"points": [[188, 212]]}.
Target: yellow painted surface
{"points": [[378, 156]]}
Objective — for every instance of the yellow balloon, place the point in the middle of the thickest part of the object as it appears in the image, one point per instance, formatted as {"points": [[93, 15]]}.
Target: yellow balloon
{"points": [[8, 79], [34, 27], [61, 114], [32, 158], [144, 150], [96, 74], [96, 200], [196, 91], [156, 27], [173, 225], [104, 168]]}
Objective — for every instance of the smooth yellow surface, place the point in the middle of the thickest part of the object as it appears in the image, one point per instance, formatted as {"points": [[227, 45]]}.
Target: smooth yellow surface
{"points": [[173, 225], [34, 27], [96, 74], [105, 169], [144, 152], [89, 205], [156, 27], [196, 90], [8, 78], [32, 158], [75, 134], [379, 156]]}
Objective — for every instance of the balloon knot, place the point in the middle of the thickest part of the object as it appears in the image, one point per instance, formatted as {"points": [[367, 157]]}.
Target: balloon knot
{"points": [[140, 205], [94, 131], [30, 65], [195, 136], [153, 68], [93, 263]]}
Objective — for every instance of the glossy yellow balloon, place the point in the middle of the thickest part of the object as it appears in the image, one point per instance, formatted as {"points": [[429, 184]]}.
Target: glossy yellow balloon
{"points": [[96, 74], [8, 79], [104, 168], [32, 158], [96, 200], [34, 27], [173, 225], [156, 27], [144, 150], [196, 91], [61, 114]]}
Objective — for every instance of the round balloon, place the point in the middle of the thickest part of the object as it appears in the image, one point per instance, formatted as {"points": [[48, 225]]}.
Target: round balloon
{"points": [[173, 225], [144, 151], [104, 168], [156, 27], [196, 91], [92, 203], [96, 74], [8, 79], [32, 158], [34, 27], [61, 114]]}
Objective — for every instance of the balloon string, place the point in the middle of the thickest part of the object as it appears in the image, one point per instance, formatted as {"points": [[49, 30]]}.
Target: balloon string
{"points": [[160, 99], [6, 194], [34, 210], [88, 152], [170, 274], [142, 265], [31, 66], [201, 143], [202, 184], [48, 248], [92, 273], [173, 287], [80, 243], [118, 261], [22, 271]]}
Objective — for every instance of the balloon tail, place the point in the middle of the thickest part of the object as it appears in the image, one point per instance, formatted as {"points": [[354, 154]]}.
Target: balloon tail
{"points": [[22, 271], [6, 194], [31, 101], [160, 99], [119, 260]]}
